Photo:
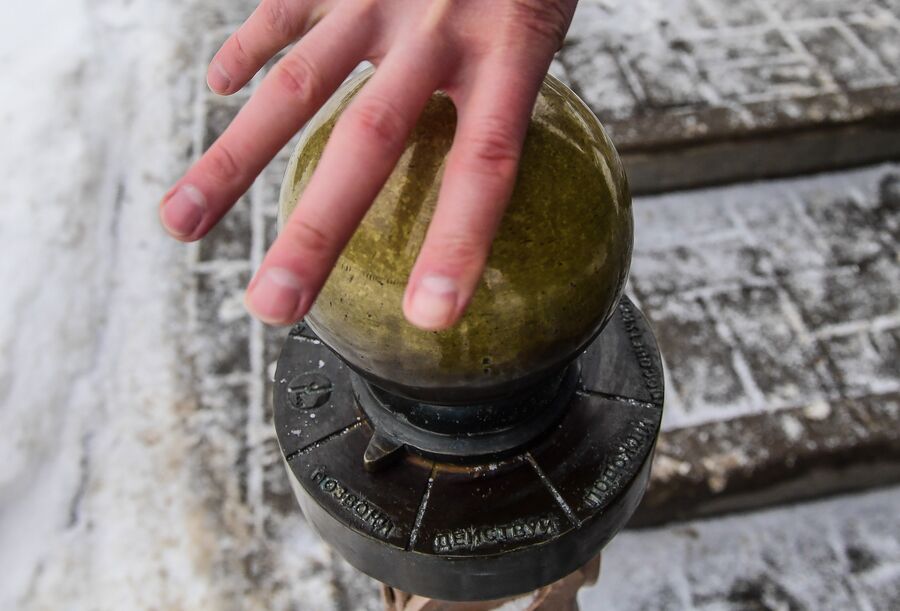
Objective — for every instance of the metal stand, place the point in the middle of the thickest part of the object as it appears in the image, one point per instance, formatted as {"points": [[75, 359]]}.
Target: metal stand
{"points": [[479, 504]]}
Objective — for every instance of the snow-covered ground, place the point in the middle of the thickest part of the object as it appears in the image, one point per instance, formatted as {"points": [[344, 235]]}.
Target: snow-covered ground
{"points": [[840, 554], [95, 510]]}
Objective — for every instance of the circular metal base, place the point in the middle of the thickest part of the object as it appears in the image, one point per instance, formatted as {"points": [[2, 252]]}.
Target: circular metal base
{"points": [[486, 529]]}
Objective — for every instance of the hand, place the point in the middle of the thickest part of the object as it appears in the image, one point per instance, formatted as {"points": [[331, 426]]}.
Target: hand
{"points": [[489, 56]]}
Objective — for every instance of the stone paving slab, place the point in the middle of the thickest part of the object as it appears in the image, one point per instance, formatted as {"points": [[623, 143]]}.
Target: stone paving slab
{"points": [[698, 92], [770, 296], [776, 307]]}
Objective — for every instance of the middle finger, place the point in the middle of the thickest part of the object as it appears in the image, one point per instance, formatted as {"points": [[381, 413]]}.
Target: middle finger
{"points": [[360, 155], [295, 88]]}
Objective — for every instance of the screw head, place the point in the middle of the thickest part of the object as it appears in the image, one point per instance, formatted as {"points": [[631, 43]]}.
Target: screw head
{"points": [[309, 390]]}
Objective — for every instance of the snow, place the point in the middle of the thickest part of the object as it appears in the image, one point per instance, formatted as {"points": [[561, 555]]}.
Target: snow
{"points": [[842, 553], [694, 247], [94, 509]]}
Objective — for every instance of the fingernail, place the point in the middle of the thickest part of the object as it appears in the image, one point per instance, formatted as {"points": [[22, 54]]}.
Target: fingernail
{"points": [[218, 78], [275, 296], [183, 212], [433, 303]]}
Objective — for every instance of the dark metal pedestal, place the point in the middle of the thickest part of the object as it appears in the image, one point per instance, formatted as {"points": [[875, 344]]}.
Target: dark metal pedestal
{"points": [[473, 527]]}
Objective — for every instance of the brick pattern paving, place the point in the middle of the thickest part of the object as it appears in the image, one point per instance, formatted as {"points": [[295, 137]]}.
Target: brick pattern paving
{"points": [[772, 296], [692, 67], [679, 83]]}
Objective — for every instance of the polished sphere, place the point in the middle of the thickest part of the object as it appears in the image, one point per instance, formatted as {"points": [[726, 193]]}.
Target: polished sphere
{"points": [[554, 276]]}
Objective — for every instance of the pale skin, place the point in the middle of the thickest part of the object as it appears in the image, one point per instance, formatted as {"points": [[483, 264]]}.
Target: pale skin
{"points": [[489, 56]]}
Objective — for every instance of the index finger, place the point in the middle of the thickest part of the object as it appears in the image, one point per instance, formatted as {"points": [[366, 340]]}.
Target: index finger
{"points": [[295, 88]]}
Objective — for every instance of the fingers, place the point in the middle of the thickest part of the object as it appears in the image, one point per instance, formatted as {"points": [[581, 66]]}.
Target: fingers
{"points": [[360, 155], [294, 89], [478, 180], [273, 25]]}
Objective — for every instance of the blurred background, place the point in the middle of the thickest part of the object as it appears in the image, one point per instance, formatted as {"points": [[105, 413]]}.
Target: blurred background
{"points": [[138, 465]]}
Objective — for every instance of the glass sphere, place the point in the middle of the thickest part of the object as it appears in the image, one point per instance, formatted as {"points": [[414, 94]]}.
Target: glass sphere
{"points": [[555, 273]]}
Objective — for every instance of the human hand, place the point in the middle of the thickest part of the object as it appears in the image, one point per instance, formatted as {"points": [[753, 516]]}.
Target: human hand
{"points": [[490, 57]]}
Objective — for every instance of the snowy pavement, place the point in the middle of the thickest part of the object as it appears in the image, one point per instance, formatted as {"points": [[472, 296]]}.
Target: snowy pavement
{"points": [[699, 92], [139, 469], [838, 554]]}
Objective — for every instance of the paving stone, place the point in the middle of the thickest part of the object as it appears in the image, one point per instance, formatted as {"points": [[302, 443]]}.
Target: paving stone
{"points": [[837, 296], [600, 78], [759, 260], [273, 340], [785, 232], [887, 212], [685, 268], [220, 112], [219, 428], [832, 219], [701, 362], [887, 343], [862, 368], [741, 47], [667, 80], [230, 239], [788, 368], [734, 14], [848, 64], [269, 191], [820, 9], [764, 81], [881, 36], [664, 222], [224, 324]]}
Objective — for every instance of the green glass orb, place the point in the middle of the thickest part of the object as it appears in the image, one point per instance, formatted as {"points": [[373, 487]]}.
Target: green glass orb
{"points": [[554, 276]]}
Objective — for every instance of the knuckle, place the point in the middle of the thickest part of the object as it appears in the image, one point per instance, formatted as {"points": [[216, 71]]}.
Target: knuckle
{"points": [[548, 20], [238, 50], [378, 119], [368, 9], [279, 20], [306, 237], [492, 150], [222, 164], [298, 77], [460, 250]]}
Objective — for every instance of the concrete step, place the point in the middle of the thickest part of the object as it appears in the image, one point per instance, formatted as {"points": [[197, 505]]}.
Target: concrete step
{"points": [[701, 92]]}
